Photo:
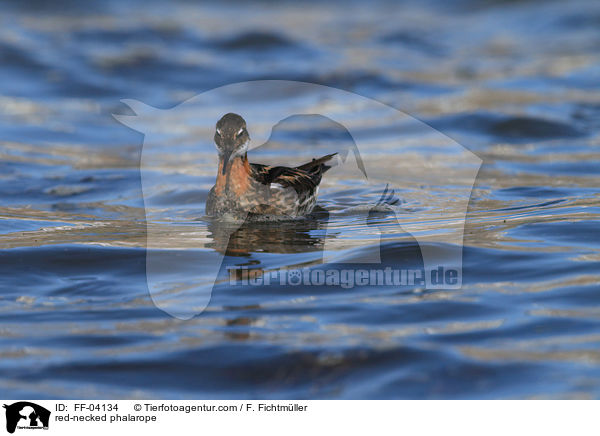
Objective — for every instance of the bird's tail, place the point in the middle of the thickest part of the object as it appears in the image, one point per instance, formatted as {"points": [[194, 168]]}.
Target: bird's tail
{"points": [[317, 164]]}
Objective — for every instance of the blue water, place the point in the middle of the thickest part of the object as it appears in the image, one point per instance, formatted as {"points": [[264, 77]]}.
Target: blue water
{"points": [[516, 83]]}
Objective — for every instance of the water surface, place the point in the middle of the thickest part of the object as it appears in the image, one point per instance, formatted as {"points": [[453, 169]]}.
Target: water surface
{"points": [[515, 83]]}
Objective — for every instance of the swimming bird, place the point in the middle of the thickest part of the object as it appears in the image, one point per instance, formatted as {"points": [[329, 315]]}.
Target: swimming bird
{"points": [[243, 189]]}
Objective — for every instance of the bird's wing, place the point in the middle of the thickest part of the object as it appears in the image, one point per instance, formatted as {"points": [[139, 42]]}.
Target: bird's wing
{"points": [[296, 178]]}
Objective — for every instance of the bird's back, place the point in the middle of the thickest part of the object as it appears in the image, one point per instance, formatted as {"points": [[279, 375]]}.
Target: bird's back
{"points": [[305, 177]]}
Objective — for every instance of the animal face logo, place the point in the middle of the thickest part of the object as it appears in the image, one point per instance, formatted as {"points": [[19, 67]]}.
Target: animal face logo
{"points": [[26, 415], [432, 174]]}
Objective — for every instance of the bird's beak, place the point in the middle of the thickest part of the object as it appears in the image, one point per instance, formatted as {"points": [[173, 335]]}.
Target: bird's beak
{"points": [[226, 156]]}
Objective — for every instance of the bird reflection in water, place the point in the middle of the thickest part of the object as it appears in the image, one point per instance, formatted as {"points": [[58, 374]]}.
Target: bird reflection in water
{"points": [[293, 236]]}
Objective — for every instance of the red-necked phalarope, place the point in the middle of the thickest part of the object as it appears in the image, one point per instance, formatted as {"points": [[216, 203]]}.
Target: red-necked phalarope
{"points": [[244, 188]]}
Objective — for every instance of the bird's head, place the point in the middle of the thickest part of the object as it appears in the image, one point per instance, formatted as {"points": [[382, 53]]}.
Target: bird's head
{"points": [[231, 137]]}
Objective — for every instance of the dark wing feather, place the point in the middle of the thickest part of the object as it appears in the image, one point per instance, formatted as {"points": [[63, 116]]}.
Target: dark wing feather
{"points": [[317, 164], [303, 178], [300, 180]]}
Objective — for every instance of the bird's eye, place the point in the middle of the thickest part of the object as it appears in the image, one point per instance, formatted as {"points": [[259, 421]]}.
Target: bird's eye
{"points": [[239, 133]]}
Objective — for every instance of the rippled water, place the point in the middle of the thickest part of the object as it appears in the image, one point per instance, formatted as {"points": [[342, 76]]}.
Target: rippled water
{"points": [[514, 83]]}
